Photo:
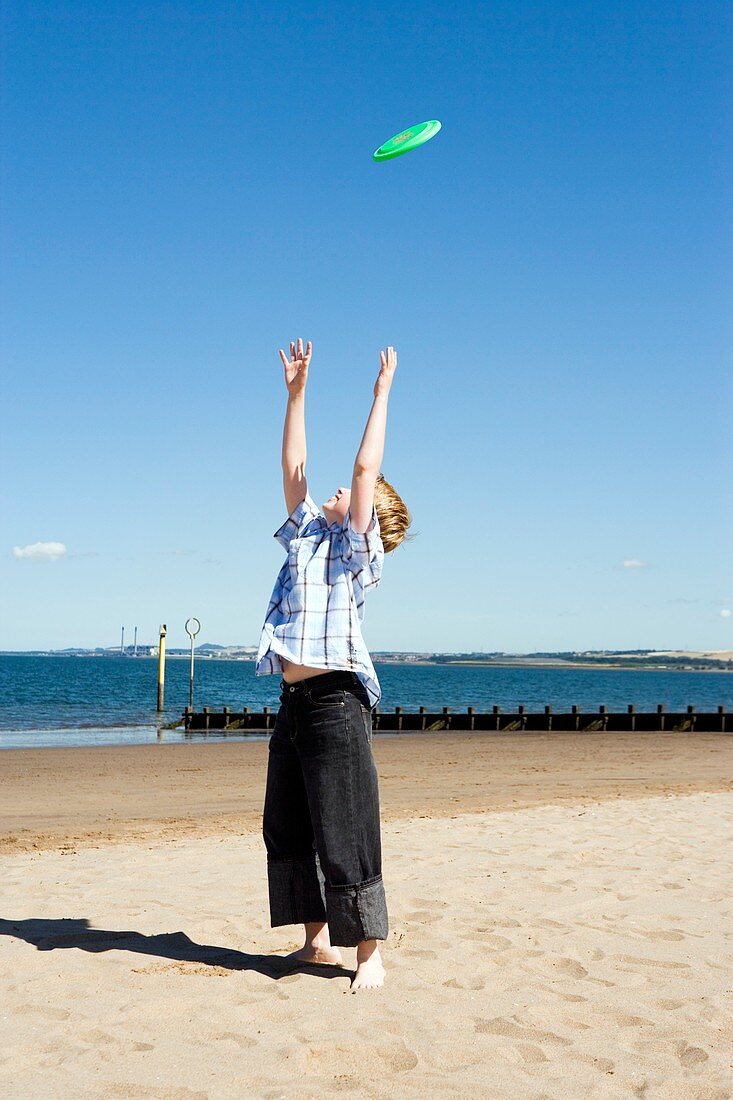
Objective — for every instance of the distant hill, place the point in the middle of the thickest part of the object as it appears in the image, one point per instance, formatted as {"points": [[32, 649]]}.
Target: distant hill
{"points": [[673, 659]]}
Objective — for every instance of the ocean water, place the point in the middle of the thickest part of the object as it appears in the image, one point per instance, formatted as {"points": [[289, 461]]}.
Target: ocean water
{"points": [[54, 701]]}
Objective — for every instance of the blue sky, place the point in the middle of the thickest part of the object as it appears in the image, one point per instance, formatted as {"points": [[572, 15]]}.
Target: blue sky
{"points": [[187, 186]]}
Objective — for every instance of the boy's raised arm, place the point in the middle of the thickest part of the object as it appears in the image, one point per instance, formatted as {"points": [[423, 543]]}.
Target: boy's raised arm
{"points": [[371, 450], [295, 485]]}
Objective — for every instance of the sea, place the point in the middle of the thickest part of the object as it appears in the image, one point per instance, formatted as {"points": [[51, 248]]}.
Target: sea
{"points": [[53, 701]]}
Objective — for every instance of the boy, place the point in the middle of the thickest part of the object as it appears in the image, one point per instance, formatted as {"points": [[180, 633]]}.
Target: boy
{"points": [[321, 815]]}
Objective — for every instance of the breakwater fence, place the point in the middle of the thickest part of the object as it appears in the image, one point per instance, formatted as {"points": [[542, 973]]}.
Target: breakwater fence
{"points": [[521, 720]]}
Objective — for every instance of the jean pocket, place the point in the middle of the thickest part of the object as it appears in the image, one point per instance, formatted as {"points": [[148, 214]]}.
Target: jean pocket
{"points": [[328, 698], [366, 720]]}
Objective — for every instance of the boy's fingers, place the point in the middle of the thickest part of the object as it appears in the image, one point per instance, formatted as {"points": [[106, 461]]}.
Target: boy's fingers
{"points": [[300, 348], [284, 358], [382, 360], [292, 350]]}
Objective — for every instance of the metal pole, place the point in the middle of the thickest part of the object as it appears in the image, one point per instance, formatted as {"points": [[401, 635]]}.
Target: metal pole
{"points": [[192, 634], [161, 666]]}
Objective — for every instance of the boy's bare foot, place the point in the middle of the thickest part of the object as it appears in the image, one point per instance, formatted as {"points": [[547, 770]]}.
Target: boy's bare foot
{"points": [[317, 948], [370, 973], [310, 954]]}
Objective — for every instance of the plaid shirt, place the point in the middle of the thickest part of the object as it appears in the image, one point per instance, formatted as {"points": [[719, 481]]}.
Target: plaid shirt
{"points": [[317, 604]]}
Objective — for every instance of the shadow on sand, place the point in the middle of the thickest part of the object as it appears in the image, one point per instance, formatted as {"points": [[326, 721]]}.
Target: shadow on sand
{"points": [[55, 935]]}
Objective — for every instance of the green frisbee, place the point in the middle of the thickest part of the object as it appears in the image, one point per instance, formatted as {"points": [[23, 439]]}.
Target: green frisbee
{"points": [[407, 140]]}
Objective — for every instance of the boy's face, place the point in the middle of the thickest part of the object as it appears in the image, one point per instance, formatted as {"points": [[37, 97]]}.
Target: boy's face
{"points": [[336, 507]]}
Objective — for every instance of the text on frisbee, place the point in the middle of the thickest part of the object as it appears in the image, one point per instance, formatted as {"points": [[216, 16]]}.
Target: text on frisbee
{"points": [[407, 140]]}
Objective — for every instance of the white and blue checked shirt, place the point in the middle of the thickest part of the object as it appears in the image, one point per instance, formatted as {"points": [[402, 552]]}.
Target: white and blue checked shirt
{"points": [[317, 604]]}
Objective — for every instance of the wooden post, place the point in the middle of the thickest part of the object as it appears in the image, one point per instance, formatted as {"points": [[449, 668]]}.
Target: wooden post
{"points": [[496, 711], [603, 711], [660, 712], [693, 718], [576, 712], [187, 718], [522, 715], [548, 712], [398, 712], [721, 712], [630, 709], [207, 717], [422, 712], [161, 666], [471, 712]]}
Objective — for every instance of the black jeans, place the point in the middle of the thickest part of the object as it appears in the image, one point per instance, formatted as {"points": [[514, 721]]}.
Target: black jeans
{"points": [[321, 815]]}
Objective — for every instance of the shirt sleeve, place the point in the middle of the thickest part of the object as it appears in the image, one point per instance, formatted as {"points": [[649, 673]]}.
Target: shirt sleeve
{"points": [[300, 516], [363, 552]]}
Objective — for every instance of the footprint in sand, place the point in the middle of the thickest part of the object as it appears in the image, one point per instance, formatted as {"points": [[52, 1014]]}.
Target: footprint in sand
{"points": [[625, 1019], [663, 934], [45, 1010], [239, 1040], [428, 903], [501, 1026], [653, 962], [571, 967], [603, 1065], [465, 983], [690, 1056], [531, 1053], [98, 1036], [398, 1057], [573, 998], [497, 943]]}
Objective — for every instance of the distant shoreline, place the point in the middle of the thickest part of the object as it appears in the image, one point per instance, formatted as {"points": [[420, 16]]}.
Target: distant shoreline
{"points": [[556, 664], [526, 663]]}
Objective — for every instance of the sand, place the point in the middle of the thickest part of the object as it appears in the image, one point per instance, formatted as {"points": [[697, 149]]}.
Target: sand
{"points": [[111, 794], [560, 926]]}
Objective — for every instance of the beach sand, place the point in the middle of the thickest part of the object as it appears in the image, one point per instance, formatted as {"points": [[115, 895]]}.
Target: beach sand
{"points": [[560, 926]]}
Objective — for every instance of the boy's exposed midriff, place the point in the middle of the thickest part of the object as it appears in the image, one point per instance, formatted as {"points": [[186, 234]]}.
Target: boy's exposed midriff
{"points": [[293, 673]]}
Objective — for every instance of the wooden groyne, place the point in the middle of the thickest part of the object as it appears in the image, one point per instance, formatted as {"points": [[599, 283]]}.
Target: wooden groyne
{"points": [[520, 720]]}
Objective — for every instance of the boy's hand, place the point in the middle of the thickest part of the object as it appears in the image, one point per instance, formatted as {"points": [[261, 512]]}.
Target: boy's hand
{"points": [[296, 368], [388, 359]]}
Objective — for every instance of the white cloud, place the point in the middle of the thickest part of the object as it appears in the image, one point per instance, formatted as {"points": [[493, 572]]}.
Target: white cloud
{"points": [[726, 613], [634, 563], [40, 551]]}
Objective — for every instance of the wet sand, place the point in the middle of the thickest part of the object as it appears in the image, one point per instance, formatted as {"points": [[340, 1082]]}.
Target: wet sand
{"points": [[105, 794]]}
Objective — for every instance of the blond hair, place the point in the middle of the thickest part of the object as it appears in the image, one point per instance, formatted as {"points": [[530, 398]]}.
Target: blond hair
{"points": [[393, 514]]}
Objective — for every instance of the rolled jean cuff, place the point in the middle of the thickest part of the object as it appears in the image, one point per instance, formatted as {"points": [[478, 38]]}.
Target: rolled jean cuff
{"points": [[357, 912], [295, 891]]}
